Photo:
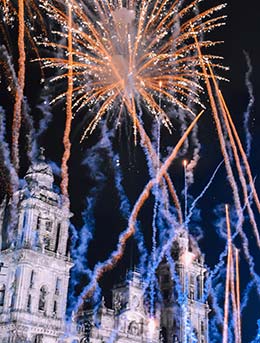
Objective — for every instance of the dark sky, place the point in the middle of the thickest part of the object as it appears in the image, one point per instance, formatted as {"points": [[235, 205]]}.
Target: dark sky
{"points": [[241, 33]]}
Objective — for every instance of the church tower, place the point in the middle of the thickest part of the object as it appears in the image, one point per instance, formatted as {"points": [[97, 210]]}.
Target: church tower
{"points": [[35, 266], [128, 321], [184, 312]]}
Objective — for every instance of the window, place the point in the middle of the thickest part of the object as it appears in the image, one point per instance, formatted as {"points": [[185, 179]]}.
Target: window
{"points": [[38, 225], [199, 288], [57, 238], [57, 287], [29, 303], [202, 328], [32, 279], [38, 339], [48, 225], [2, 295], [47, 242], [42, 299], [55, 308], [13, 298]]}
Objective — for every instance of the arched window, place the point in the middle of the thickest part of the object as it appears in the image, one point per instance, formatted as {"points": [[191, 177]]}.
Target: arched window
{"points": [[2, 295], [42, 299]]}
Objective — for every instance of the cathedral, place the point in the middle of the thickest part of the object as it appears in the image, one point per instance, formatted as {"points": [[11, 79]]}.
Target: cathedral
{"points": [[34, 276]]}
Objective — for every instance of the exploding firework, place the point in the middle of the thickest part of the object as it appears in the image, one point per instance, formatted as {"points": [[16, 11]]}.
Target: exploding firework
{"points": [[124, 56], [127, 54]]}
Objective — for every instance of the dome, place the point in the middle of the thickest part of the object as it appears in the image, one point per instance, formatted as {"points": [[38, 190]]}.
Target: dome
{"points": [[40, 173]]}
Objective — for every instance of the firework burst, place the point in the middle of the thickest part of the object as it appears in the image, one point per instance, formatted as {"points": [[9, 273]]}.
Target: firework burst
{"points": [[131, 54]]}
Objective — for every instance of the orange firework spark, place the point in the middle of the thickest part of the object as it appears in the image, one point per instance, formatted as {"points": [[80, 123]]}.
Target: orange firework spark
{"points": [[232, 273], [129, 53], [238, 296], [109, 264], [66, 137], [237, 161], [22, 9], [148, 144], [226, 305], [20, 88]]}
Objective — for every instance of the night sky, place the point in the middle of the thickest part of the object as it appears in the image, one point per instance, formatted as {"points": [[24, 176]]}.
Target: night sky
{"points": [[241, 33]]}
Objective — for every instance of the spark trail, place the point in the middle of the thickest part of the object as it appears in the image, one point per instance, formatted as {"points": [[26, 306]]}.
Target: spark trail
{"points": [[237, 161], [110, 263], [66, 137], [17, 113]]}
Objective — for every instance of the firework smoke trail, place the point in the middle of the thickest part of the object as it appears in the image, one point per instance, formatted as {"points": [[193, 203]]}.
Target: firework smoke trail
{"points": [[110, 263], [9, 71], [233, 296], [66, 137], [185, 190], [234, 289], [257, 339], [17, 113], [230, 174], [238, 296], [242, 152], [145, 140], [45, 109], [246, 295], [250, 105], [82, 237], [154, 223], [227, 288], [194, 203], [238, 164], [171, 238], [13, 181], [125, 211]]}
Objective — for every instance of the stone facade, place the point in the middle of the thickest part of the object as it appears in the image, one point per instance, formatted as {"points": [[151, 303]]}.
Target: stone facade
{"points": [[184, 312], [35, 267], [34, 276], [128, 320]]}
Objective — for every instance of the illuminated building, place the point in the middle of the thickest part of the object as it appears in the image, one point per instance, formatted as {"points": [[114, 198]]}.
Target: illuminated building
{"points": [[35, 266], [34, 280]]}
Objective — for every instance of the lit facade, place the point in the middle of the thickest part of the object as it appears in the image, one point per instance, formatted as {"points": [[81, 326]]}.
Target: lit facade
{"points": [[35, 266], [34, 277]]}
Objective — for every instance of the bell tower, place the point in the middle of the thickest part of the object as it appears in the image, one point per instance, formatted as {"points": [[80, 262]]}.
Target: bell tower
{"points": [[184, 313], [35, 264]]}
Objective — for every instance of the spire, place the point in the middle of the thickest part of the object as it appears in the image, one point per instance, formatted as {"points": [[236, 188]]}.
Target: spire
{"points": [[39, 174]]}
